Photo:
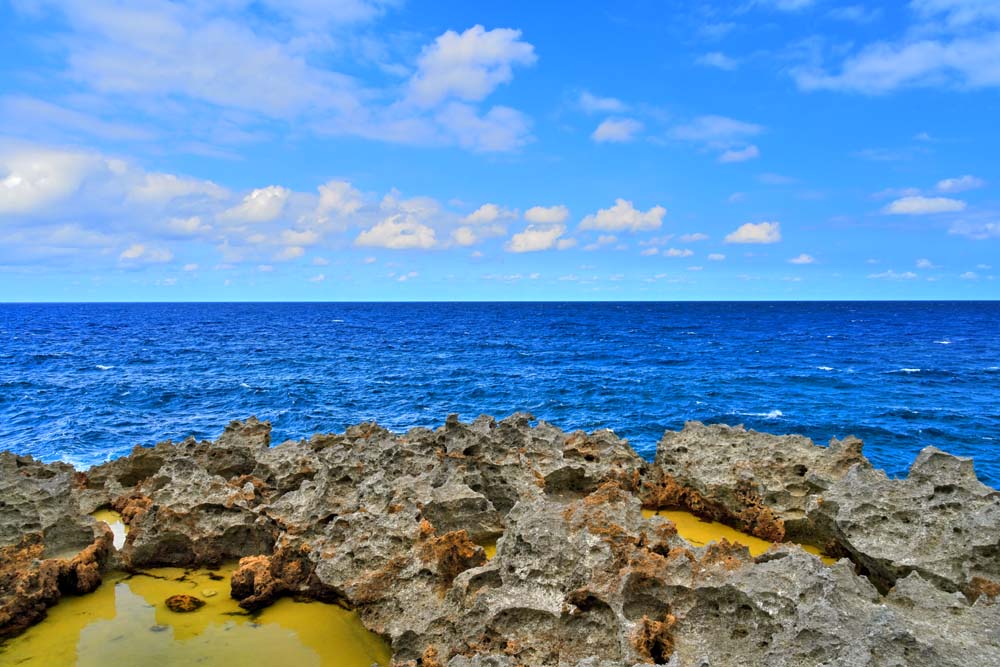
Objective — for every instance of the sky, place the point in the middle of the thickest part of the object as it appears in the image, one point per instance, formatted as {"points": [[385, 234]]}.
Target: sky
{"points": [[397, 150]]}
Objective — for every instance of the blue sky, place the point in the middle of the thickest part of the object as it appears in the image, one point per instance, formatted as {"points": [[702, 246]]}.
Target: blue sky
{"points": [[393, 150]]}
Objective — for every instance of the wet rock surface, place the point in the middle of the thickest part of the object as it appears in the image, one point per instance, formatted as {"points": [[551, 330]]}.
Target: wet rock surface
{"points": [[392, 525]]}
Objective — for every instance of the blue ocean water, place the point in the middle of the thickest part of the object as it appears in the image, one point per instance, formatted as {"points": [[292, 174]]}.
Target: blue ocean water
{"points": [[86, 382]]}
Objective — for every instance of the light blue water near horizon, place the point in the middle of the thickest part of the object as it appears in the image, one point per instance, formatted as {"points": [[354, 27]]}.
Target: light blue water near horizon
{"points": [[84, 383]]}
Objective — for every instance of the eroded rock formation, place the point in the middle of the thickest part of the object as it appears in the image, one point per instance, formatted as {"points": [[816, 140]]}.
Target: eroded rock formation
{"points": [[393, 525]]}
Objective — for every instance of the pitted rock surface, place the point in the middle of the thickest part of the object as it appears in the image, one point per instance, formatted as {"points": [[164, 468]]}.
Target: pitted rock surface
{"points": [[393, 526]]}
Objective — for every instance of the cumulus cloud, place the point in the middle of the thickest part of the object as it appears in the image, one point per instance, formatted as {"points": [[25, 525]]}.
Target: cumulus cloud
{"points": [[499, 129], [468, 66], [715, 128], [718, 60], [32, 178], [925, 264], [593, 104], [978, 230], [678, 252], [716, 257], [960, 184], [137, 252], [231, 72], [261, 205], [536, 238], [617, 130], [489, 213], [761, 232], [547, 214], [338, 198], [803, 259], [398, 232], [892, 275], [739, 154], [919, 205], [623, 216], [158, 187], [951, 43]]}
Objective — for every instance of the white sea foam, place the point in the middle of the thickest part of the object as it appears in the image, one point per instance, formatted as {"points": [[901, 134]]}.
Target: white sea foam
{"points": [[244, 385], [943, 342], [773, 414], [824, 368], [102, 367], [908, 370]]}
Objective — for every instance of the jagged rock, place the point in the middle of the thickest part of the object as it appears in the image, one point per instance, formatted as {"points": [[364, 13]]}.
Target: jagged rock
{"points": [[183, 604], [393, 525], [940, 521]]}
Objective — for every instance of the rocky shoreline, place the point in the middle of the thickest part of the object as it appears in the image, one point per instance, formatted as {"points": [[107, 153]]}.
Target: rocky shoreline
{"points": [[394, 526]]}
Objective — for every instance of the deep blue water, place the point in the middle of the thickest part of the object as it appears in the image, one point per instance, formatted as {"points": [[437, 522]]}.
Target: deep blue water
{"points": [[85, 382]]}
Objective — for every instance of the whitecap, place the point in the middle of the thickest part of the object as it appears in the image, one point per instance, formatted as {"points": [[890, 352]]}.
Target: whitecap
{"points": [[943, 342], [244, 385], [774, 414], [909, 370], [824, 368], [102, 367]]}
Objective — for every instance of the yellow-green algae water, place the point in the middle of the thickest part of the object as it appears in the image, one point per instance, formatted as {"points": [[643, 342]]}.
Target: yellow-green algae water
{"points": [[114, 521], [700, 532], [125, 622]]}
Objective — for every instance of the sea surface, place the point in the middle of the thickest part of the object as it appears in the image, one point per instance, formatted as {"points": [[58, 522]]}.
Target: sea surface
{"points": [[86, 382]]}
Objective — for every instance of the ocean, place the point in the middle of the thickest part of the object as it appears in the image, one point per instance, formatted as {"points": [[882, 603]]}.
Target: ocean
{"points": [[84, 383]]}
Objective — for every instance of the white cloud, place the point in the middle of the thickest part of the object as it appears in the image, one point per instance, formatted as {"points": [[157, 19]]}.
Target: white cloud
{"points": [[715, 128], [718, 60], [500, 129], [535, 238], [969, 275], [290, 253], [468, 66], [739, 154], [761, 232], [803, 259], [489, 213], [788, 5], [892, 275], [305, 237], [137, 252], [952, 43], [33, 178], [188, 226], [261, 205], [649, 252], [546, 214], [623, 216], [918, 205], [594, 104], [219, 73], [318, 278], [468, 235], [960, 184], [617, 130], [602, 240], [338, 197], [190, 267], [157, 187], [678, 252], [692, 238], [565, 244], [976, 230], [716, 257], [398, 232], [925, 264]]}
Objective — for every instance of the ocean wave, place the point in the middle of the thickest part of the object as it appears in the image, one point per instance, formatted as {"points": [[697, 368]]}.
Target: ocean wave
{"points": [[773, 414], [824, 368], [943, 342], [102, 367]]}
